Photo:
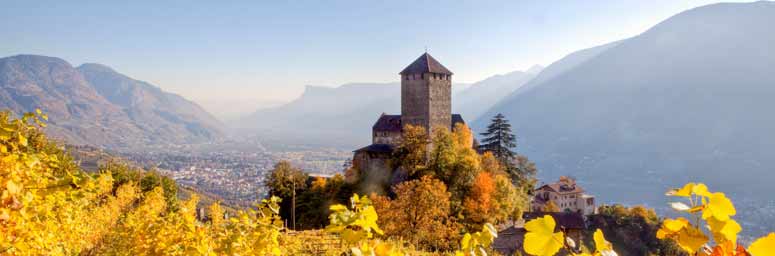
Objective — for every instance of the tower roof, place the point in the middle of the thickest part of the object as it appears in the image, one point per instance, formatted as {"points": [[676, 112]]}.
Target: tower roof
{"points": [[426, 64]]}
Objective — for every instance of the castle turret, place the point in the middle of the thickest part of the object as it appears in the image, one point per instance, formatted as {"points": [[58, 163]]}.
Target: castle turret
{"points": [[426, 94]]}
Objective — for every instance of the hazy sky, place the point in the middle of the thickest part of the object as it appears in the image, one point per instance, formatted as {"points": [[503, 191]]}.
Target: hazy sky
{"points": [[240, 54]]}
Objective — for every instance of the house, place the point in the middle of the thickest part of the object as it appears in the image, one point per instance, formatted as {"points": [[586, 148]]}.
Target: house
{"points": [[566, 195]]}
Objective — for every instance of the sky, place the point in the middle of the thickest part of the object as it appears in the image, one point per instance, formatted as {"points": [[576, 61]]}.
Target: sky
{"points": [[233, 57]]}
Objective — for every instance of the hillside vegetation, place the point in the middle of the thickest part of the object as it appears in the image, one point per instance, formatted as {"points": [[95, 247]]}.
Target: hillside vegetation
{"points": [[49, 206]]}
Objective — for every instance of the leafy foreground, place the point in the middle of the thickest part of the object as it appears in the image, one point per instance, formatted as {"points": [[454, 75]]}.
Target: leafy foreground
{"points": [[48, 206]]}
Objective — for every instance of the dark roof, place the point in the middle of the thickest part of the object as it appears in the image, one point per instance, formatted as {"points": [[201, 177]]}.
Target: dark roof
{"points": [[457, 118], [388, 123], [392, 123], [567, 220], [562, 188], [426, 64], [376, 148]]}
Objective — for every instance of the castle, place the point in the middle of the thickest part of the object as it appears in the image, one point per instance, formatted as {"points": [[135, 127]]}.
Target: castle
{"points": [[426, 101]]}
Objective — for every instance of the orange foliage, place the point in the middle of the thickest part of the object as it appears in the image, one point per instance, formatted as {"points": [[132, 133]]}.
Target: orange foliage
{"points": [[480, 205], [419, 213]]}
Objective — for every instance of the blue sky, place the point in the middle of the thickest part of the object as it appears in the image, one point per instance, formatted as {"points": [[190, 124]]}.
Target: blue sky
{"points": [[242, 54]]}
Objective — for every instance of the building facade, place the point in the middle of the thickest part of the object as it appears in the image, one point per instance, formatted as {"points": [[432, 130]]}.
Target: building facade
{"points": [[566, 195]]}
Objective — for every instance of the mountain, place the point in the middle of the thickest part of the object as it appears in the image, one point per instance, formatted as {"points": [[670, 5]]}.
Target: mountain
{"points": [[329, 117], [325, 116], [482, 95], [148, 105], [94, 105], [688, 100]]}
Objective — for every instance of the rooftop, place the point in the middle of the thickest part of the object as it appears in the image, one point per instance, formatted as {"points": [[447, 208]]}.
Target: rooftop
{"points": [[392, 123], [426, 64]]}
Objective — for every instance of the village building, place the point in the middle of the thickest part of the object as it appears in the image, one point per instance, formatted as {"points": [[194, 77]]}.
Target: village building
{"points": [[566, 195], [426, 101]]}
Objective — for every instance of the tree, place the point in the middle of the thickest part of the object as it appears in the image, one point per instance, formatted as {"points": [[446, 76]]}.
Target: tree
{"points": [[499, 140], [420, 213], [285, 181], [522, 173], [412, 153], [480, 205], [509, 199]]}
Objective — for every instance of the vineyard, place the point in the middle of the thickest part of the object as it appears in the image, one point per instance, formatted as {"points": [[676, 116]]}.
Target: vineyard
{"points": [[51, 207]]}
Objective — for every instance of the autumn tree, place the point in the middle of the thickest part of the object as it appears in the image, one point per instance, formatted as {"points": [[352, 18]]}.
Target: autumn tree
{"points": [[511, 201], [412, 153], [313, 203], [420, 213], [480, 205], [286, 181], [455, 162]]}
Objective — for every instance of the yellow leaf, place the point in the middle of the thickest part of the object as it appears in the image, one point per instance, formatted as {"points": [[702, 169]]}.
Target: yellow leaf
{"points": [[671, 226], [719, 207], [691, 239], [701, 190], [338, 207], [465, 243], [22, 140], [686, 191], [540, 239], [600, 243], [724, 230], [764, 246]]}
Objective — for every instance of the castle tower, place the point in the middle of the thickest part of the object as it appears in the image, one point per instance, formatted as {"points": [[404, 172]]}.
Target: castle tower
{"points": [[426, 94]]}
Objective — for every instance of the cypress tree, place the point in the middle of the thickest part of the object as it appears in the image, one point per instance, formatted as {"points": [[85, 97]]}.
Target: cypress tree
{"points": [[499, 140]]}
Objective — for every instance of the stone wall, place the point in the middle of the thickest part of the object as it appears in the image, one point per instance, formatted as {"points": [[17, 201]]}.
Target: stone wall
{"points": [[440, 101], [390, 138], [414, 100], [426, 100]]}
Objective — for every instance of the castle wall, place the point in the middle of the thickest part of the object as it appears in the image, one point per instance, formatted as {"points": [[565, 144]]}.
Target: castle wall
{"points": [[390, 138], [374, 170], [440, 98], [426, 100], [414, 103]]}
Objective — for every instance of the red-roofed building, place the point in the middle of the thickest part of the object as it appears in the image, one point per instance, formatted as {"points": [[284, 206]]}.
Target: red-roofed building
{"points": [[566, 195]]}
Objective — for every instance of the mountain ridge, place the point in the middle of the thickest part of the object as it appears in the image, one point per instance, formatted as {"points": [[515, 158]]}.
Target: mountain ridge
{"points": [[86, 110], [685, 101]]}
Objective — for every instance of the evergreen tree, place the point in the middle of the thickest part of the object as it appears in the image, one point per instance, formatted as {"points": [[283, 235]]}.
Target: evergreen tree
{"points": [[499, 140]]}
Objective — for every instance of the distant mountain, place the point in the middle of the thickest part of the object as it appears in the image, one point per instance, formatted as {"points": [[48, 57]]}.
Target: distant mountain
{"points": [[94, 105], [482, 95], [688, 100], [324, 116], [148, 105]]}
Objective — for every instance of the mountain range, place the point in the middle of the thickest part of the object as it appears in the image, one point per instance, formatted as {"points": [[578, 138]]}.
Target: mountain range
{"points": [[688, 100], [95, 105], [343, 116]]}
